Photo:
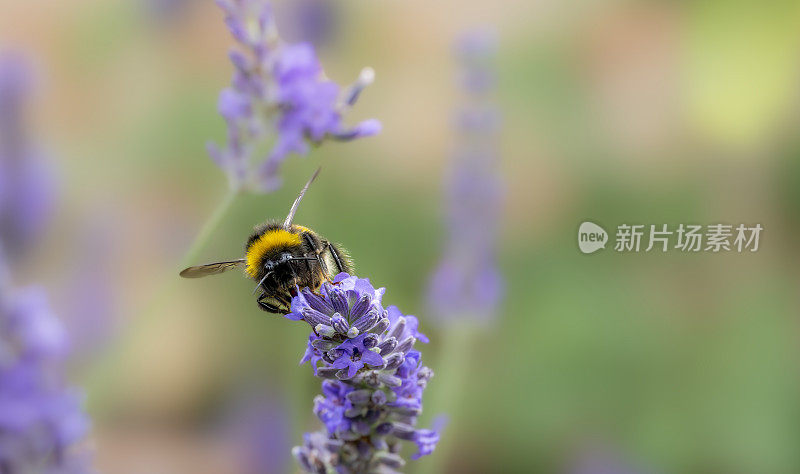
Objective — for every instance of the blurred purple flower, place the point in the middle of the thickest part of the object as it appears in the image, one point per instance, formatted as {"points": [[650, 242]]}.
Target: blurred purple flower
{"points": [[467, 282], [41, 422], [164, 12], [374, 379], [279, 92], [262, 433], [600, 460], [26, 182], [88, 305], [315, 21], [476, 50]]}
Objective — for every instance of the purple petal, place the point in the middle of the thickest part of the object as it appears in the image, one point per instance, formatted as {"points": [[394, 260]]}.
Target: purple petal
{"points": [[353, 369], [233, 105], [372, 358]]}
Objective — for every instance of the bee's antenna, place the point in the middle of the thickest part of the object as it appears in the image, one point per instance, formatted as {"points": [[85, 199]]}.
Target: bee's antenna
{"points": [[288, 222]]}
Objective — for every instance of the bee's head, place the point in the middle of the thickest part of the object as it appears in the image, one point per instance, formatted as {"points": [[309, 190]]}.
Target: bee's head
{"points": [[271, 246], [277, 268], [273, 263]]}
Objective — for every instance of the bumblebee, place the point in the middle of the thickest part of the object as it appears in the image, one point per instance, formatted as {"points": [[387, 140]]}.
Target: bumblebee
{"points": [[282, 257]]}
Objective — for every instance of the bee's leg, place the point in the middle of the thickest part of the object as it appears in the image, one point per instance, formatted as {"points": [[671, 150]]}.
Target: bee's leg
{"points": [[335, 254], [285, 299], [270, 308], [317, 252], [323, 266], [294, 290]]}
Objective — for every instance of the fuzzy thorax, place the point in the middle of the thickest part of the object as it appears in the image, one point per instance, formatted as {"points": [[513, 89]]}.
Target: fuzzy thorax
{"points": [[273, 239]]}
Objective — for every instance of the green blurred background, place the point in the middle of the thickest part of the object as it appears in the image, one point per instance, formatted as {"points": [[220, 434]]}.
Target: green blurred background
{"points": [[613, 111]]}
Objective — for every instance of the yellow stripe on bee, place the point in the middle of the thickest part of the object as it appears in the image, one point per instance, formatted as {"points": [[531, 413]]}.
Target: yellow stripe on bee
{"points": [[265, 243]]}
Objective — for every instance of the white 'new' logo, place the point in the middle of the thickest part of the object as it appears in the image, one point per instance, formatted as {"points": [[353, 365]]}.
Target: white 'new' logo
{"points": [[591, 237]]}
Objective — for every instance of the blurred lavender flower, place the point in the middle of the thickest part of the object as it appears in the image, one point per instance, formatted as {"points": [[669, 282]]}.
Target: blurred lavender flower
{"points": [[261, 432], [467, 281], [40, 420], [88, 305], [374, 379], [164, 12], [26, 182], [315, 21], [600, 460], [280, 92]]}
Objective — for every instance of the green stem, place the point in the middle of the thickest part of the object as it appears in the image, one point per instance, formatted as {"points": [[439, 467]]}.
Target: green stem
{"points": [[208, 228], [100, 379], [447, 387]]}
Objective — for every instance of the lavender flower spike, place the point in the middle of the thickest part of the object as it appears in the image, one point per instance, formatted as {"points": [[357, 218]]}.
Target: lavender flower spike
{"points": [[467, 282], [40, 420], [279, 92], [26, 182], [372, 392]]}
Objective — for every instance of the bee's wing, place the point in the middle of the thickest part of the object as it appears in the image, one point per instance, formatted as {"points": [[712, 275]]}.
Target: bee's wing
{"points": [[211, 268], [288, 222]]}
